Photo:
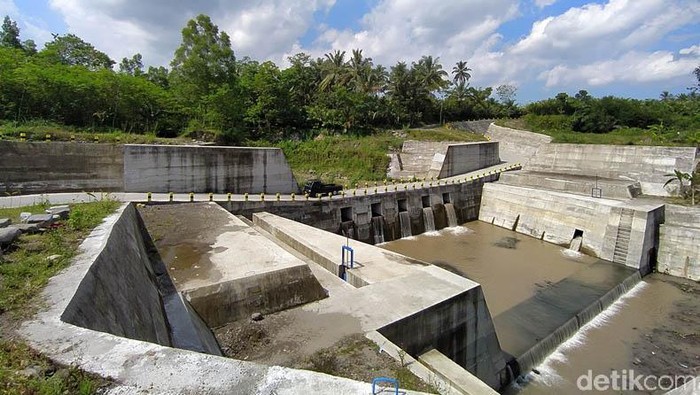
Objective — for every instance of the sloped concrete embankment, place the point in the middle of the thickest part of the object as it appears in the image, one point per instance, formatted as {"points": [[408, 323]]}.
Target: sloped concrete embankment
{"points": [[649, 166], [441, 159], [610, 229], [679, 243], [126, 291], [517, 145]]}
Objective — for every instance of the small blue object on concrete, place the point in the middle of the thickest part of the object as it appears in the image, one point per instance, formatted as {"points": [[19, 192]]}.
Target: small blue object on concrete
{"points": [[378, 380], [347, 250]]}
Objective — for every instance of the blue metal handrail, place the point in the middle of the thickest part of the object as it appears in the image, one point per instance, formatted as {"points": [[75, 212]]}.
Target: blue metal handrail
{"points": [[352, 256], [378, 380]]}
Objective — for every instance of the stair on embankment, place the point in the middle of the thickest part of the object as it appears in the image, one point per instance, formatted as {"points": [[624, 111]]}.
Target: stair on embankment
{"points": [[622, 240]]}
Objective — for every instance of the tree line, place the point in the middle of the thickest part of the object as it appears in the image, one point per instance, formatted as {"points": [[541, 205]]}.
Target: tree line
{"points": [[206, 88]]}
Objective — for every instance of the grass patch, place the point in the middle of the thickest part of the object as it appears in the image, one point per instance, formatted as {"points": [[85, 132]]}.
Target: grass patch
{"points": [[559, 128], [37, 131], [25, 269], [350, 160], [358, 358], [344, 160]]}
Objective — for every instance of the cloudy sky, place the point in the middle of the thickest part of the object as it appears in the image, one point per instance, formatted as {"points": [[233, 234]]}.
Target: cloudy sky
{"points": [[634, 48]]}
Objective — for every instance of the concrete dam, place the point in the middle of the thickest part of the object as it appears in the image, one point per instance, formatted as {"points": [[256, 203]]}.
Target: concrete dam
{"points": [[471, 279]]}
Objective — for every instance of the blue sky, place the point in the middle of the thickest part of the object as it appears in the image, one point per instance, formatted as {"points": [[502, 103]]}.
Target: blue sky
{"points": [[632, 48]]}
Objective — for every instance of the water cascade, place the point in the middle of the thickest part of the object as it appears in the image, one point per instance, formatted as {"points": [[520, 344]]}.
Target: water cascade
{"points": [[549, 344], [429, 219], [405, 221], [575, 244], [378, 229], [451, 215]]}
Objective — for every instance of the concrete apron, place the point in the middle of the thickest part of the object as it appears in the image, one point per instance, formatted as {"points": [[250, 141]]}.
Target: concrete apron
{"points": [[139, 366]]}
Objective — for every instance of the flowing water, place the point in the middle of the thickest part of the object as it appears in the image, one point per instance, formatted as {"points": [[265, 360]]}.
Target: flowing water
{"points": [[451, 215], [405, 221], [575, 244], [540, 295], [429, 219], [378, 229]]}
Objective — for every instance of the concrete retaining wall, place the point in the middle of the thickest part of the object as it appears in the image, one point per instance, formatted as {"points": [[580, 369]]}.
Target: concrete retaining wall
{"points": [[60, 167], [555, 217], [679, 243], [328, 215], [517, 145], [647, 165], [34, 167], [464, 158], [162, 168], [119, 293], [460, 328]]}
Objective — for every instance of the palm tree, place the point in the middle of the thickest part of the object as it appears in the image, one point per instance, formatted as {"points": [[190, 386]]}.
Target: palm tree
{"points": [[679, 176], [461, 73], [430, 72], [335, 70]]}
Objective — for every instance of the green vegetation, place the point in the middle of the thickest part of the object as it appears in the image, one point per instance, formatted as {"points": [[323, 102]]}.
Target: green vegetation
{"points": [[672, 120], [347, 160], [685, 191], [24, 270]]}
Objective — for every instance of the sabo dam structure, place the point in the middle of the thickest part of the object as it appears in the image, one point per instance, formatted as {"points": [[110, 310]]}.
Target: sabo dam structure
{"points": [[478, 274]]}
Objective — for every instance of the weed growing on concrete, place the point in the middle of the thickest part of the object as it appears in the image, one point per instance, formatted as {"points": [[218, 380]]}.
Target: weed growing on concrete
{"points": [[26, 268]]}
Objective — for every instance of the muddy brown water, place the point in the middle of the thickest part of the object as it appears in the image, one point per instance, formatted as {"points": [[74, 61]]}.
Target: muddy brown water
{"points": [[647, 329]]}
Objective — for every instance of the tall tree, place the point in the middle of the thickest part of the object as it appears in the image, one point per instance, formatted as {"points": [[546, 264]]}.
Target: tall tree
{"points": [[460, 73], [204, 60], [335, 71], [133, 66], [73, 51], [9, 35], [430, 73]]}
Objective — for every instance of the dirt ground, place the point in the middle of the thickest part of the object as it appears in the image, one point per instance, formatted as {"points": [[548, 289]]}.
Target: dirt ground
{"points": [[302, 340], [674, 347]]}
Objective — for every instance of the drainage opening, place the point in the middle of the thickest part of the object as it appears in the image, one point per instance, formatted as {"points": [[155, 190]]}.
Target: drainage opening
{"points": [[426, 201], [403, 205], [376, 209], [446, 198], [346, 214]]}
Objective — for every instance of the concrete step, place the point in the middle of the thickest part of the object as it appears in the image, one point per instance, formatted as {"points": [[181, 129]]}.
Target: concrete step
{"points": [[461, 379]]}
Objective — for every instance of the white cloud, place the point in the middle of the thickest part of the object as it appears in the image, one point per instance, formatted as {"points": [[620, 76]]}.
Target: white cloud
{"points": [[632, 67], [544, 3], [692, 50], [260, 29], [8, 7], [404, 30]]}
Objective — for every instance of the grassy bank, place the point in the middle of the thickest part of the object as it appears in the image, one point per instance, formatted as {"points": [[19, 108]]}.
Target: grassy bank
{"points": [[348, 160], [25, 270], [559, 127]]}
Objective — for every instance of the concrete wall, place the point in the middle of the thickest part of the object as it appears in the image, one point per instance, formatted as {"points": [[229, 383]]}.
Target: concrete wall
{"points": [[162, 168], [460, 328], [127, 292], [648, 165], [517, 145], [554, 217], [327, 215], [464, 158], [119, 293], [679, 243], [35, 167]]}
